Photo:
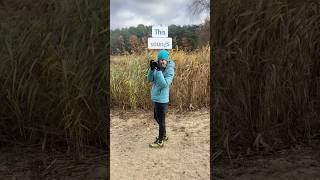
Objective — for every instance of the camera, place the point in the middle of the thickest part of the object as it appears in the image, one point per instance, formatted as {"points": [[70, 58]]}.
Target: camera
{"points": [[154, 63]]}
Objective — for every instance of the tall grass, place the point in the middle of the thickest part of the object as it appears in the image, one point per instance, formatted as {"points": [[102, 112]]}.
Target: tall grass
{"points": [[266, 76], [190, 87], [53, 73]]}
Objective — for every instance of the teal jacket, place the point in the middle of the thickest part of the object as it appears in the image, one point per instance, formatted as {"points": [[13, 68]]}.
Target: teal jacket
{"points": [[161, 80]]}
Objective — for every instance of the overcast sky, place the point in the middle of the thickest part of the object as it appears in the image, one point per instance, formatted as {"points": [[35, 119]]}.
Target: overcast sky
{"points": [[126, 13]]}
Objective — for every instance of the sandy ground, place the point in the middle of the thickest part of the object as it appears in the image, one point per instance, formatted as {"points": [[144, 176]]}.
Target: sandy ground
{"points": [[30, 163], [184, 156], [301, 163]]}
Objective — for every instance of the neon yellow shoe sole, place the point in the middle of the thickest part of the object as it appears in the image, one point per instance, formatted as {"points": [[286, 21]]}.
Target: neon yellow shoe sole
{"points": [[156, 145]]}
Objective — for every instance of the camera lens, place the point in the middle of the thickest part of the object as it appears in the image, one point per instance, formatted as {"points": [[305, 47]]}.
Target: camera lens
{"points": [[154, 63]]}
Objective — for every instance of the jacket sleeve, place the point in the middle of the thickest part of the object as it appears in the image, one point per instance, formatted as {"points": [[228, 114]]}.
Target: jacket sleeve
{"points": [[150, 75], [166, 81]]}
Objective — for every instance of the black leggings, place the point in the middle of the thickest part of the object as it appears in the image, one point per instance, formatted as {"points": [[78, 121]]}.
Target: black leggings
{"points": [[159, 110]]}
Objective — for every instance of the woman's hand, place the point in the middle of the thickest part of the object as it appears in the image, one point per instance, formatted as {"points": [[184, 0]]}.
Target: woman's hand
{"points": [[152, 65]]}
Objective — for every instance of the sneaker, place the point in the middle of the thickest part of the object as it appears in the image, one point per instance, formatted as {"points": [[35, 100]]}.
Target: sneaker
{"points": [[165, 138], [156, 144]]}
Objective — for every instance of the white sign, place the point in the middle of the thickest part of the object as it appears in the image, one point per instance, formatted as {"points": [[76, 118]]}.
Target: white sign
{"points": [[160, 31], [159, 43], [159, 38]]}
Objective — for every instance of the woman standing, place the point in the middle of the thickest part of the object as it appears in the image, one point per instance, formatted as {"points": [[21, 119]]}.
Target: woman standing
{"points": [[161, 74]]}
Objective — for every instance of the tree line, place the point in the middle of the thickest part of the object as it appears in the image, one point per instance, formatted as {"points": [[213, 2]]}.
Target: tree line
{"points": [[135, 39]]}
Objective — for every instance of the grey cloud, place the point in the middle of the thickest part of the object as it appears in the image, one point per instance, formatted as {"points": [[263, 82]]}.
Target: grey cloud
{"points": [[125, 13]]}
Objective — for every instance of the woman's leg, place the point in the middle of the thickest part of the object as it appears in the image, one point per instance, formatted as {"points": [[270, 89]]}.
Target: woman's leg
{"points": [[155, 113], [160, 109], [164, 122]]}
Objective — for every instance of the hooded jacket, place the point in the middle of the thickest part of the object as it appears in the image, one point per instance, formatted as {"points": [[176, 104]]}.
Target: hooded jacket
{"points": [[161, 80]]}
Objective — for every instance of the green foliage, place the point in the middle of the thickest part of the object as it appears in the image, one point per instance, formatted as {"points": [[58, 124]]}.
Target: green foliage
{"points": [[265, 74], [53, 73], [184, 37]]}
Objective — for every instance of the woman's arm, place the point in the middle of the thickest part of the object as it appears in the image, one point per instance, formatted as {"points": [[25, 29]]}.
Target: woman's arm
{"points": [[150, 75], [166, 81]]}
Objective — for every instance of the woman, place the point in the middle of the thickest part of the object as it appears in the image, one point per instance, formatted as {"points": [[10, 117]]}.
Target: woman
{"points": [[161, 75]]}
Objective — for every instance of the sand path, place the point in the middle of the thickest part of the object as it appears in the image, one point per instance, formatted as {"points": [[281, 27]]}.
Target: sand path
{"points": [[185, 156], [302, 163]]}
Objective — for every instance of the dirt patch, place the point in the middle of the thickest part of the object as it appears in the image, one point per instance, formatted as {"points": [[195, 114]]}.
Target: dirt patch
{"points": [[29, 163], [299, 163], [184, 156]]}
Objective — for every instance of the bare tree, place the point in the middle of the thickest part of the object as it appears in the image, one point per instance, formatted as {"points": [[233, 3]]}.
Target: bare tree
{"points": [[200, 6]]}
